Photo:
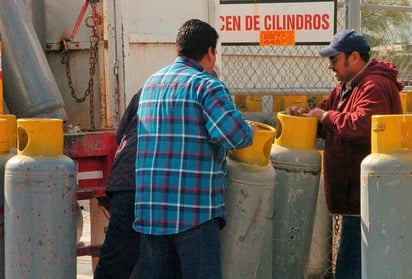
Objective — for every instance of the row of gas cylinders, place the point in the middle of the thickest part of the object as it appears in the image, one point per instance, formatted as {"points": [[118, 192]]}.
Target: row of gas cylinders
{"points": [[271, 201], [272, 197]]}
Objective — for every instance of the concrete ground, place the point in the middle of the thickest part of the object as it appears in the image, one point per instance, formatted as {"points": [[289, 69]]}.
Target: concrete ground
{"points": [[84, 263], [84, 268]]}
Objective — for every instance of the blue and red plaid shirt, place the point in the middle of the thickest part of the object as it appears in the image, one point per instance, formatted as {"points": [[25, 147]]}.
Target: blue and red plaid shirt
{"points": [[186, 123]]}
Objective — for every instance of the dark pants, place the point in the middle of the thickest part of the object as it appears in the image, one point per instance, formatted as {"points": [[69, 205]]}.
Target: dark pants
{"points": [[348, 261], [120, 250], [193, 254]]}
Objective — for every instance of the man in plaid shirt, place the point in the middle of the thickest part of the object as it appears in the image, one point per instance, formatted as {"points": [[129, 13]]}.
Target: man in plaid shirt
{"points": [[187, 122]]}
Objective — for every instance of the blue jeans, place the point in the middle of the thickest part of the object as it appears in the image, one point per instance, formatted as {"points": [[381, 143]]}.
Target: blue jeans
{"points": [[348, 261], [120, 250], [193, 254]]}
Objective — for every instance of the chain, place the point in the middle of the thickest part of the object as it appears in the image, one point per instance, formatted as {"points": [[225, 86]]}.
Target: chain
{"points": [[92, 22], [337, 226], [335, 239]]}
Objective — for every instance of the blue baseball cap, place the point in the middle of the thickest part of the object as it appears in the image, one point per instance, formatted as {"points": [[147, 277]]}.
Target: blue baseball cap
{"points": [[346, 41]]}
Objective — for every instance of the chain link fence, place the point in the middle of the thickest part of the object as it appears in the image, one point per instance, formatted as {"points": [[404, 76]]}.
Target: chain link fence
{"points": [[265, 80]]}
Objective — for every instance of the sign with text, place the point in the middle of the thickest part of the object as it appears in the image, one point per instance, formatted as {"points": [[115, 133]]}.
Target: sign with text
{"points": [[277, 23]]}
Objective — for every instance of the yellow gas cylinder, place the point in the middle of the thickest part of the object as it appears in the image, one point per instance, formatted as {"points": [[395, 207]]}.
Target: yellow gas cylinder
{"points": [[11, 130], [253, 103], [1, 80], [249, 204], [386, 206], [259, 152], [297, 166], [406, 100], [40, 204]]}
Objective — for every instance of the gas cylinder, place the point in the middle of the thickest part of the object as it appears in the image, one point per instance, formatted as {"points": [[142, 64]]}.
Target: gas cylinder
{"points": [[319, 265], [5, 155], [386, 207], [40, 204], [258, 153], [1, 79], [11, 131], [297, 166], [249, 205]]}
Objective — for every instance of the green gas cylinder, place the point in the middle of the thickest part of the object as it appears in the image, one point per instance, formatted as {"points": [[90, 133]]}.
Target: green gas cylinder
{"points": [[249, 208], [297, 166], [40, 204], [386, 204]]}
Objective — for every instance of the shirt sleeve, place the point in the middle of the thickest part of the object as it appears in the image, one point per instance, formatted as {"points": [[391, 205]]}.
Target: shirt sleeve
{"points": [[225, 123]]}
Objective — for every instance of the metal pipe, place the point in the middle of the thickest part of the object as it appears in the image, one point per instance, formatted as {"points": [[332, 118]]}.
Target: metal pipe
{"points": [[30, 89]]}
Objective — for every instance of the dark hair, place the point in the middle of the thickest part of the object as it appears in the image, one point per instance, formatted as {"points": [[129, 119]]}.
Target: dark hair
{"points": [[365, 56], [194, 39]]}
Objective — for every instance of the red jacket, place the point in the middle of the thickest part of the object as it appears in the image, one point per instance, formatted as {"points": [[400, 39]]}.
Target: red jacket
{"points": [[347, 131]]}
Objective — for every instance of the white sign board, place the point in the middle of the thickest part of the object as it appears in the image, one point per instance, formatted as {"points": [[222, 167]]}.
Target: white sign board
{"points": [[277, 23]]}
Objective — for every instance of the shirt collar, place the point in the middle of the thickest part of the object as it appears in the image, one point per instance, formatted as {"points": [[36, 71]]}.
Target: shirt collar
{"points": [[189, 62], [351, 83]]}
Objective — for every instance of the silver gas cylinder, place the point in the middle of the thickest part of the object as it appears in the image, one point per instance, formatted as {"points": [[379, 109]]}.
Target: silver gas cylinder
{"points": [[386, 205], [5, 155], [297, 166], [249, 204], [40, 204]]}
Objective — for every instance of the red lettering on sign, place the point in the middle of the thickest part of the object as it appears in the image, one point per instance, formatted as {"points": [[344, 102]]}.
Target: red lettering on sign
{"points": [[325, 21], [296, 22], [230, 23], [276, 22], [252, 23]]}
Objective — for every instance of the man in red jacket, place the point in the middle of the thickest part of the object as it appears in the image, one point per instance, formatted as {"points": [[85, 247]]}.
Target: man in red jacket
{"points": [[365, 87]]}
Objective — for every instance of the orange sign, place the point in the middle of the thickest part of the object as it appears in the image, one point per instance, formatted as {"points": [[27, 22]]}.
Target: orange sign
{"points": [[277, 38]]}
